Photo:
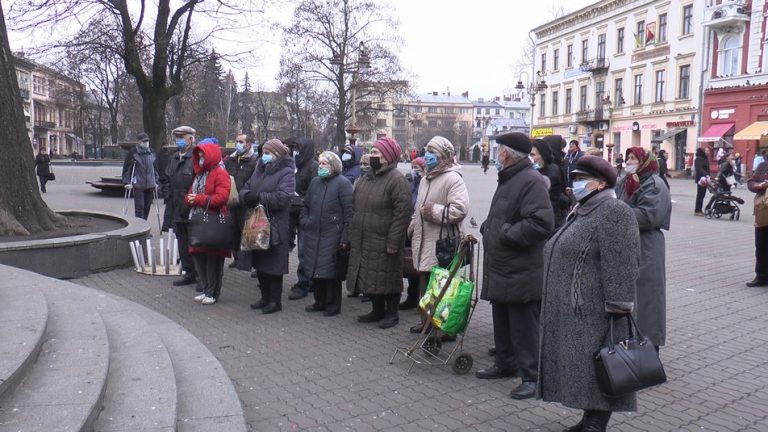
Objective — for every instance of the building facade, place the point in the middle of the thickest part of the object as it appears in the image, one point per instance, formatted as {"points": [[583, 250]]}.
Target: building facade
{"points": [[419, 119], [622, 73], [735, 71]]}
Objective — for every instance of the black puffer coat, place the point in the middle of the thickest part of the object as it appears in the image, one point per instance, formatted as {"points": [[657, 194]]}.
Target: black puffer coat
{"points": [[519, 222], [241, 167], [306, 169], [557, 197], [175, 183], [325, 220]]}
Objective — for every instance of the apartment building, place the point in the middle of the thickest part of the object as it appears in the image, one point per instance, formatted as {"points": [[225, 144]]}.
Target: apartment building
{"points": [[418, 119], [622, 73]]}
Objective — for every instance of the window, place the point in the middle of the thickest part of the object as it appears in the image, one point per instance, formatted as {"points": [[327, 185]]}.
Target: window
{"points": [[39, 86], [488, 111], [599, 93], [659, 86], [417, 109], [687, 19], [638, 90], [685, 82], [543, 63], [400, 123], [601, 46], [620, 40], [522, 115], [448, 110], [554, 103], [556, 59], [584, 51], [568, 100], [498, 111], [542, 105], [729, 55], [618, 92], [23, 79], [662, 33], [479, 111], [640, 35], [432, 110], [569, 60], [583, 98]]}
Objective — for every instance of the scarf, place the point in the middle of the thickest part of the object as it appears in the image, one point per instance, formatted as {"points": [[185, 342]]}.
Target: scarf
{"points": [[198, 187], [648, 164]]}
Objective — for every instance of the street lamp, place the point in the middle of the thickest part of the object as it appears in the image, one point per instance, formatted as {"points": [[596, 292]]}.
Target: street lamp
{"points": [[533, 89], [361, 65]]}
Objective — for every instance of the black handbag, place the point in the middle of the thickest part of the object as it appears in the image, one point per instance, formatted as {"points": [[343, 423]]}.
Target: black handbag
{"points": [[446, 247], [215, 231], [630, 365], [342, 264], [274, 231]]}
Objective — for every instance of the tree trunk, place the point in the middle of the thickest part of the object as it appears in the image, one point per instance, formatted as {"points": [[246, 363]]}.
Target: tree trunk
{"points": [[340, 138], [153, 116], [22, 210]]}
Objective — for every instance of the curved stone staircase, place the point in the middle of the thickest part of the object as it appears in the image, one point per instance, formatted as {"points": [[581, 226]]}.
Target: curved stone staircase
{"points": [[76, 359]]}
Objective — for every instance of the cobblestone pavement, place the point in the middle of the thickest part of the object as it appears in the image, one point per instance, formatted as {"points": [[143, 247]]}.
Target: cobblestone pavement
{"points": [[300, 371]]}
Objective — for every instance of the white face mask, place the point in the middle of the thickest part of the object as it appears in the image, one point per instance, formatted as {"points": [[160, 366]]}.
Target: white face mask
{"points": [[631, 169], [144, 144]]}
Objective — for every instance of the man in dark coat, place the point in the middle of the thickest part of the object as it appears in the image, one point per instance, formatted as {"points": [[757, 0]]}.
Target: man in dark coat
{"points": [[140, 174], [240, 166], [700, 169], [519, 222], [176, 181], [303, 150], [573, 155]]}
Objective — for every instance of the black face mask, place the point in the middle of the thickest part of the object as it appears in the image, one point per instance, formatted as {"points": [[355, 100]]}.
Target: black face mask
{"points": [[375, 162]]}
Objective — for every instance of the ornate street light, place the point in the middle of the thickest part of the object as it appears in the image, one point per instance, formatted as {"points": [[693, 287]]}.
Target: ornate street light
{"points": [[360, 66], [533, 88]]}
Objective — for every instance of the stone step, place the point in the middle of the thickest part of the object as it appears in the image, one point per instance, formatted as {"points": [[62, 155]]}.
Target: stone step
{"points": [[23, 318], [64, 388]]}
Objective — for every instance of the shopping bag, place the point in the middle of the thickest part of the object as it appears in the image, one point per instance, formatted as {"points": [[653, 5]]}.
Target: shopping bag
{"points": [[233, 199], [452, 312], [256, 230]]}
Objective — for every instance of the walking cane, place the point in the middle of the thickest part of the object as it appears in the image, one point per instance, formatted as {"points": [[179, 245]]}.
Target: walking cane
{"points": [[157, 207], [128, 191]]}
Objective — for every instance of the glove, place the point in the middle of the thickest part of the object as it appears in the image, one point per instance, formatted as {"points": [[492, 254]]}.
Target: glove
{"points": [[252, 198], [129, 186], [344, 246]]}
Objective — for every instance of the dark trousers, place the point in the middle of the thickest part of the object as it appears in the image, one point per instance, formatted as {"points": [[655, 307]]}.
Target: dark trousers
{"points": [[43, 181], [516, 334], [302, 278], [210, 270], [180, 228], [327, 293], [761, 253], [271, 287], [142, 202], [238, 214], [700, 192]]}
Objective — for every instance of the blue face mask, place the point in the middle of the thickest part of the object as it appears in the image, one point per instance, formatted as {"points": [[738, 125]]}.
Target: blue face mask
{"points": [[266, 158], [181, 144], [499, 165], [240, 148], [430, 159], [580, 190], [536, 166], [346, 156]]}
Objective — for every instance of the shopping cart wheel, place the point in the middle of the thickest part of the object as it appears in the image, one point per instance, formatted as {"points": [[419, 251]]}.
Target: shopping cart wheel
{"points": [[432, 345], [462, 364], [738, 213]]}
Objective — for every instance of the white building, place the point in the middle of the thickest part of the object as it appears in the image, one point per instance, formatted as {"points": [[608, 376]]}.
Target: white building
{"points": [[622, 73]]}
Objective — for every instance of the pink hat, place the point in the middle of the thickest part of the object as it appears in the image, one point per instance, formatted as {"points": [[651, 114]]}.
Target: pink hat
{"points": [[389, 148]]}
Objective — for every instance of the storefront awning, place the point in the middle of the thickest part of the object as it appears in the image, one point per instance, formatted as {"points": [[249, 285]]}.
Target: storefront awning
{"points": [[667, 135], [755, 131], [716, 132]]}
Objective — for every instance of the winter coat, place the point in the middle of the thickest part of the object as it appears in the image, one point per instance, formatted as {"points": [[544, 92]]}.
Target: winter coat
{"points": [[306, 170], [414, 182], [381, 211], [271, 185], [441, 187], [557, 197], [700, 168], [175, 183], [652, 207], [241, 168], [519, 221], [351, 169], [142, 165], [569, 163], [592, 258], [43, 165], [324, 223], [217, 185]]}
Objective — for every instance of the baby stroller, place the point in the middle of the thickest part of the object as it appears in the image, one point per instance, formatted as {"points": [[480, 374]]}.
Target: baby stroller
{"points": [[722, 202]]}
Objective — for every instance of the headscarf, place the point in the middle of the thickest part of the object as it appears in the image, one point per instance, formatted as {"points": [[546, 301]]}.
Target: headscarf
{"points": [[332, 160], [647, 164]]}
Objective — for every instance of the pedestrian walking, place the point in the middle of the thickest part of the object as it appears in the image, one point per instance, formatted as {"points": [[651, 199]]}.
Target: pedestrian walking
{"points": [[758, 184], [209, 193], [176, 182], [141, 176], [240, 165], [590, 269], [43, 167], [271, 185], [381, 212], [485, 161], [441, 206], [324, 221], [661, 158], [303, 151], [519, 221], [544, 162], [619, 165], [645, 193], [700, 177], [350, 160]]}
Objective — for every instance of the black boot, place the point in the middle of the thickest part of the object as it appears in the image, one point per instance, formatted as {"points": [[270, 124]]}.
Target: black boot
{"points": [[319, 295], [332, 298], [275, 298], [577, 427], [263, 301], [377, 314], [189, 278], [595, 421], [412, 300], [391, 314]]}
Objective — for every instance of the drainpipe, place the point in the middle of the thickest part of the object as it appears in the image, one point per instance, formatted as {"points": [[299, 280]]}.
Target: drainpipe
{"points": [[533, 74], [705, 52]]}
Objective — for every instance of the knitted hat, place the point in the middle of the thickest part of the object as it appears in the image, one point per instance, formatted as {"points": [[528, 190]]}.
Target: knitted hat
{"points": [[142, 137], [516, 141], [420, 162], [276, 147], [441, 147], [332, 160], [389, 148], [597, 167]]}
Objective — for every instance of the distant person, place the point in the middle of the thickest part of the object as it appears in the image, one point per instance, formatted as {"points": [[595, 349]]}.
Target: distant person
{"points": [[350, 160], [700, 176], [758, 184], [759, 158], [573, 155], [43, 167], [619, 162], [485, 162], [140, 174], [661, 158]]}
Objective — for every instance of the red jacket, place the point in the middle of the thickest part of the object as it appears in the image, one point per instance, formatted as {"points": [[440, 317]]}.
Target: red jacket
{"points": [[217, 186]]}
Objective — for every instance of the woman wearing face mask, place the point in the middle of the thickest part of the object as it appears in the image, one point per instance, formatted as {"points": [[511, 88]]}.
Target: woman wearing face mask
{"points": [[541, 154], [409, 272], [644, 191], [272, 185], [324, 223], [442, 201], [209, 192], [590, 267], [350, 161], [381, 211]]}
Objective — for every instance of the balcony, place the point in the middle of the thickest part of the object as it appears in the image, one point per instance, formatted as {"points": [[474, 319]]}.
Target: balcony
{"points": [[24, 93], [729, 15], [595, 66], [45, 124], [594, 115]]}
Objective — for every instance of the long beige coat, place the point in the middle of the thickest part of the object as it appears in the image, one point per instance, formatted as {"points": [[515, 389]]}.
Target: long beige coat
{"points": [[441, 187]]}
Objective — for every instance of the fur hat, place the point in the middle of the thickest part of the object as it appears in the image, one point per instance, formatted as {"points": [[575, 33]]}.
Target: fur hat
{"points": [[441, 147], [331, 159], [389, 148], [597, 167], [516, 141], [276, 147]]}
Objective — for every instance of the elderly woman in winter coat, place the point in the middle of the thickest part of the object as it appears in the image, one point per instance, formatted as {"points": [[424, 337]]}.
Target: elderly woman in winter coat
{"points": [[209, 192], [381, 212], [442, 201], [324, 222], [590, 268], [544, 161], [271, 185], [650, 201]]}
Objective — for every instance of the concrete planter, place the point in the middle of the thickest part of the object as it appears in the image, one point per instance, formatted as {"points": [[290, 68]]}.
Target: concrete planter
{"points": [[80, 255]]}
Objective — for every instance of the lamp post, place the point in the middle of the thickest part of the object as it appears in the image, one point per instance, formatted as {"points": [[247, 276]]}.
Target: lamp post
{"points": [[360, 65], [533, 89]]}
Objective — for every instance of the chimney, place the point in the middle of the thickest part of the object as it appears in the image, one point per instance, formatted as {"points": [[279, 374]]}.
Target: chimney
{"points": [[465, 94], [449, 93], [496, 99]]}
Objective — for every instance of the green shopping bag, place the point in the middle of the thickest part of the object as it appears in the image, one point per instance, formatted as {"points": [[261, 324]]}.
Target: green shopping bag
{"points": [[452, 312]]}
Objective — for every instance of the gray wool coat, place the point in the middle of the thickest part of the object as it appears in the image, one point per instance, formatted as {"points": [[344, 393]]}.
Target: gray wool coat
{"points": [[590, 267], [381, 212], [652, 207]]}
